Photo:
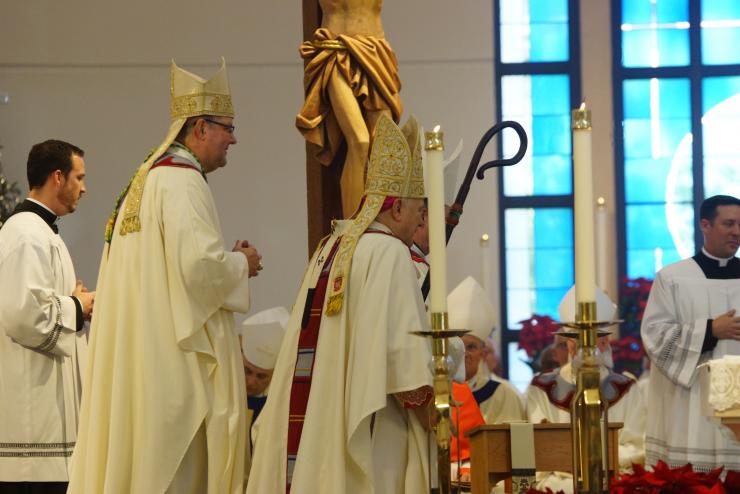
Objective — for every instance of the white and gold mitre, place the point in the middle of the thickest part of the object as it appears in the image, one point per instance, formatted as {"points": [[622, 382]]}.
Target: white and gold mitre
{"points": [[395, 167], [190, 96], [395, 170]]}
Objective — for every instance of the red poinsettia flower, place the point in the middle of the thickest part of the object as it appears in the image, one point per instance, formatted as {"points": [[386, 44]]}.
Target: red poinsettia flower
{"points": [[628, 349], [532, 490], [536, 334], [665, 480]]}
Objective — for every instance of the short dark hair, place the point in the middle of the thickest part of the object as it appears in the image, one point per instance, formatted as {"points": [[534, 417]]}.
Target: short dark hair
{"points": [[708, 209], [47, 157]]}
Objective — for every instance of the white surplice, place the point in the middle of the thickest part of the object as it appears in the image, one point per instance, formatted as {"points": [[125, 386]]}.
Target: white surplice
{"points": [[681, 301], [356, 437], [41, 353], [165, 374]]}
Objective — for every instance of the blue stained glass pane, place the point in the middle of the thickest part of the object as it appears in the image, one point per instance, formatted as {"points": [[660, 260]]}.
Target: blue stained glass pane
{"points": [[664, 108], [673, 47], [549, 43], [534, 31], [672, 133], [548, 300], [541, 104], [642, 179], [719, 45], [548, 10], [636, 94], [639, 48], [671, 11], [550, 95], [721, 119], [718, 89], [541, 263], [553, 268], [647, 226], [637, 141], [635, 48], [636, 11], [644, 262], [553, 174], [675, 98], [520, 305], [550, 135], [716, 10], [553, 227], [520, 374]]}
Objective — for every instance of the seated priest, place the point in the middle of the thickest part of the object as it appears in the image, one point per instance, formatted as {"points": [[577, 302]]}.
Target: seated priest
{"points": [[260, 338], [350, 403], [550, 394], [469, 307]]}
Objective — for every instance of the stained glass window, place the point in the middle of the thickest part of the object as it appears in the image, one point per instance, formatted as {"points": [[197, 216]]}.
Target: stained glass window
{"points": [[533, 30], [537, 83], [671, 86]]}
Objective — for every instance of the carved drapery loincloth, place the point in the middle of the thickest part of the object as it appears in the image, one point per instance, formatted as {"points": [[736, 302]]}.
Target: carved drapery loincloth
{"points": [[369, 66]]}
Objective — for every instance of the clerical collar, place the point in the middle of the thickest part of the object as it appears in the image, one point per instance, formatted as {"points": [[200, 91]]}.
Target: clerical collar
{"points": [[33, 206], [715, 268], [722, 262]]}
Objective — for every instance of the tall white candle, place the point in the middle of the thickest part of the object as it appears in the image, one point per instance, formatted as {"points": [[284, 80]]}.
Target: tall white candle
{"points": [[601, 245], [436, 217], [583, 210]]}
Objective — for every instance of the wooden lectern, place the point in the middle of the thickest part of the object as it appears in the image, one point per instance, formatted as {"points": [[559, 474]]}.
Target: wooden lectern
{"points": [[490, 453]]}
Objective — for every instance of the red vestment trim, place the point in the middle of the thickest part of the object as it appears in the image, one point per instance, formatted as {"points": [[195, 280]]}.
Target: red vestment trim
{"points": [[303, 372], [170, 161]]}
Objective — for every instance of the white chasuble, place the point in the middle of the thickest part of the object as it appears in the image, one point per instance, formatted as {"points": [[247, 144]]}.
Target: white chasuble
{"points": [[356, 437], [41, 353], [673, 330], [165, 361]]}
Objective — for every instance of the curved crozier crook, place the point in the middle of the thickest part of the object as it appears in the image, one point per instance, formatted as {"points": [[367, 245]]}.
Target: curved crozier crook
{"points": [[523, 143]]}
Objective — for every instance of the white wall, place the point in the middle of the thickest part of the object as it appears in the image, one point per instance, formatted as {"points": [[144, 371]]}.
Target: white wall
{"points": [[95, 73]]}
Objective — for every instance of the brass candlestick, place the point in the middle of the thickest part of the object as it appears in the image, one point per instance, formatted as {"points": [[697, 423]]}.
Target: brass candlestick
{"points": [[442, 393], [589, 409]]}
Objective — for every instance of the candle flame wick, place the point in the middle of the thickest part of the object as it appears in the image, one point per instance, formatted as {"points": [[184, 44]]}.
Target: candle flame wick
{"points": [[583, 106], [436, 129]]}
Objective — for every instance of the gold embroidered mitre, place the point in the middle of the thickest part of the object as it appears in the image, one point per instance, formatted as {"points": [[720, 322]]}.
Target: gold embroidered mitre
{"points": [[395, 170], [190, 96]]}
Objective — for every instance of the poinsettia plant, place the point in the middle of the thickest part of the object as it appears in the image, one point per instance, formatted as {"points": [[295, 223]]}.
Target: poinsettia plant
{"points": [[628, 351], [681, 480], [628, 354], [535, 335], [633, 297]]}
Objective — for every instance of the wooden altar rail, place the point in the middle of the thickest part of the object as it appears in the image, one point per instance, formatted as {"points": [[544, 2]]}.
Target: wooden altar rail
{"points": [[490, 453]]}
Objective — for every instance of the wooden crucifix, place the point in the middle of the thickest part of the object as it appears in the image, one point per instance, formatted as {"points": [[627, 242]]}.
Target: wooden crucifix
{"points": [[350, 79]]}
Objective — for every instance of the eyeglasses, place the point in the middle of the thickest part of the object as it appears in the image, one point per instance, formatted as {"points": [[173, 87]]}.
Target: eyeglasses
{"points": [[229, 128]]}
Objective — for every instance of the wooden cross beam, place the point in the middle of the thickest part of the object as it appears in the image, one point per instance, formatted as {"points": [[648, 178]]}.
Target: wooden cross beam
{"points": [[322, 182]]}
